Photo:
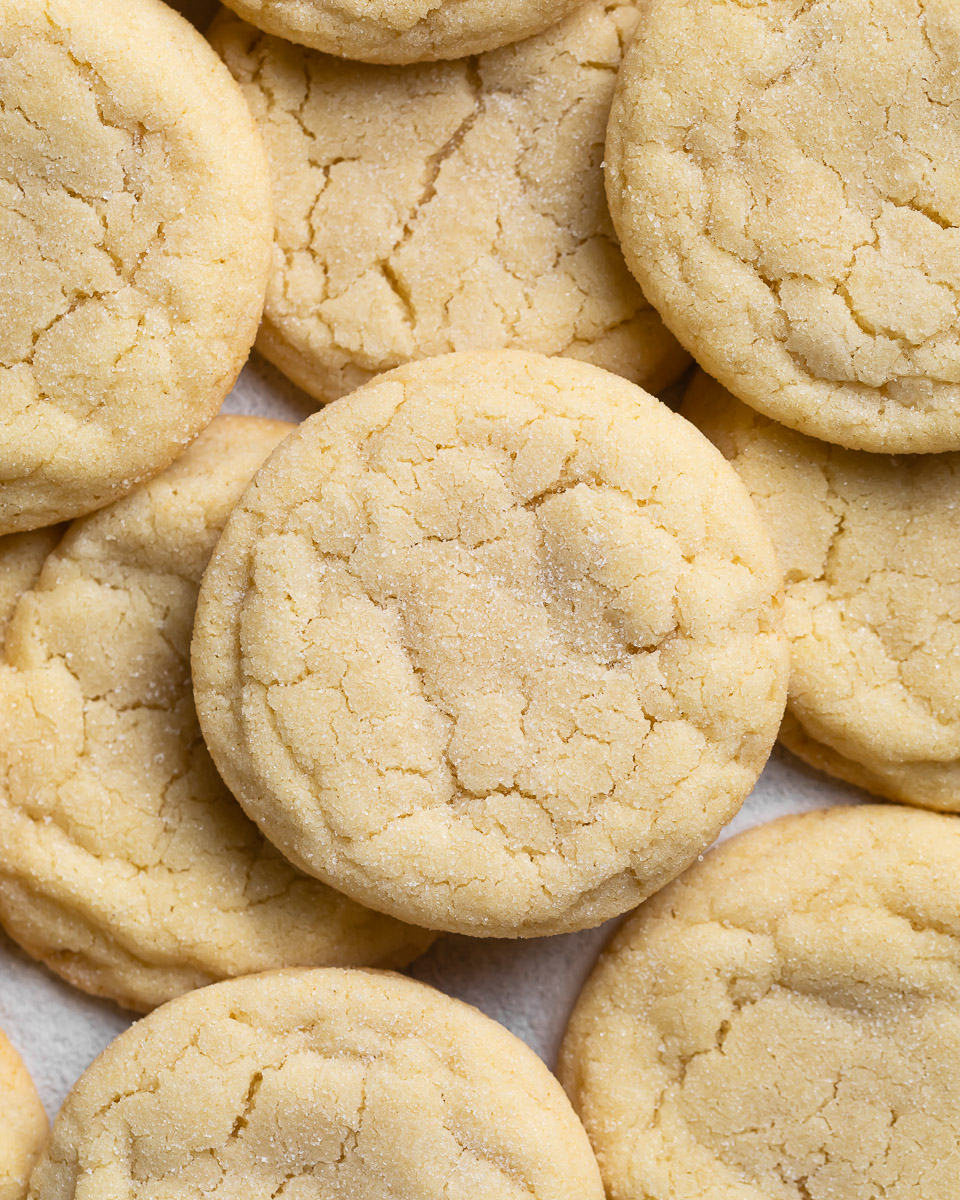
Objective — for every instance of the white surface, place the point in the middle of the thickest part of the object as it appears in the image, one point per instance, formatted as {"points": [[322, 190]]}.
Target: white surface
{"points": [[528, 986]]}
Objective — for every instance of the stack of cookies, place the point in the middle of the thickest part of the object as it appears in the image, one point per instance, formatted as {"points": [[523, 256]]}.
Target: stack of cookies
{"points": [[495, 642]]}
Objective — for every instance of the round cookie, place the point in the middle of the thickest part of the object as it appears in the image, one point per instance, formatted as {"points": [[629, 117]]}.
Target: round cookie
{"points": [[135, 230], [23, 1124], [492, 645], [403, 31], [794, 217], [127, 866], [870, 550], [783, 1022], [313, 1084], [445, 207]]}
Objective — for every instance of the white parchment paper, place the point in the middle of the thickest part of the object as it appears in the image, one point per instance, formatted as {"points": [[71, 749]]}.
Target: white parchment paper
{"points": [[529, 986]]}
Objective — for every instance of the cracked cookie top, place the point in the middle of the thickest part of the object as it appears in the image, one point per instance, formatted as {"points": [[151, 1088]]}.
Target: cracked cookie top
{"points": [[446, 207], [784, 180], [23, 1124], [312, 1084], [783, 1021], [492, 645], [22, 556], [127, 866], [134, 238], [870, 550], [403, 31]]}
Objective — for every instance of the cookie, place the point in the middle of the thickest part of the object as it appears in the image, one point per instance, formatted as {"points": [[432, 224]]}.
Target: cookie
{"points": [[782, 1021], [22, 556], [445, 207], [795, 217], [870, 548], [403, 31], [127, 866], [135, 232], [311, 1084], [23, 1124], [492, 645]]}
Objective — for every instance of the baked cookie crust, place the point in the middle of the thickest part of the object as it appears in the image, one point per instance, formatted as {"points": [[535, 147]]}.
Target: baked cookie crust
{"points": [[795, 216], [135, 230], [445, 207], [492, 645]]}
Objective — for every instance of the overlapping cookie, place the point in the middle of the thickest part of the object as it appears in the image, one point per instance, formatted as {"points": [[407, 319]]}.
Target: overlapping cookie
{"points": [[135, 228], [492, 645], [870, 549], [126, 865], [449, 207], [313, 1084], [783, 179], [783, 1021]]}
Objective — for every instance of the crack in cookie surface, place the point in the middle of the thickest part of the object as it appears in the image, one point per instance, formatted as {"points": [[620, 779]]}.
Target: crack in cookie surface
{"points": [[446, 207], [311, 1084], [494, 641], [404, 31], [832, 303], [127, 865], [871, 556], [781, 1021], [135, 247]]}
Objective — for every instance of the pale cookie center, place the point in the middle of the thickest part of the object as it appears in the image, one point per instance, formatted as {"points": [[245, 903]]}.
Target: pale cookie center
{"points": [[860, 247], [811, 1099], [475, 644]]}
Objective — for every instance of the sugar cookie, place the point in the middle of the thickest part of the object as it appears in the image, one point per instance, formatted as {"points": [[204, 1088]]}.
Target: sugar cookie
{"points": [[403, 31], [127, 867], [784, 180], [23, 1124], [492, 645], [135, 231], [449, 207], [783, 1022], [870, 548], [311, 1084]]}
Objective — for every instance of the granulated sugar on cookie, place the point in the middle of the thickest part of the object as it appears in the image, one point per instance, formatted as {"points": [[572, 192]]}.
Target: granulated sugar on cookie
{"points": [[135, 229], [783, 1021], [447, 207], [492, 645], [316, 1084], [127, 867], [403, 31], [870, 547], [785, 181]]}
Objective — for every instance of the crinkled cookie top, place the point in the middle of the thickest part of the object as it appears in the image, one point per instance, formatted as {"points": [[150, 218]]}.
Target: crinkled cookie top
{"points": [[492, 643], [403, 31], [134, 242], [870, 548], [446, 207], [783, 1022], [312, 1084], [127, 866], [785, 180]]}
